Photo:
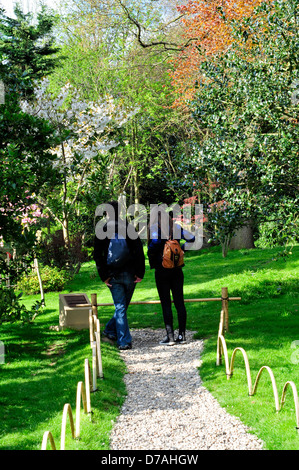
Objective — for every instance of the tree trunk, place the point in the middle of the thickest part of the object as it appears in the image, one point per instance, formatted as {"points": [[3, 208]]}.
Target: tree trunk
{"points": [[65, 230], [243, 238], [65, 224], [225, 245], [135, 162], [136, 186]]}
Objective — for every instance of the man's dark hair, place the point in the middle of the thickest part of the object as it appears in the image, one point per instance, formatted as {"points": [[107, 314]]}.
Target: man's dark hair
{"points": [[116, 208]]}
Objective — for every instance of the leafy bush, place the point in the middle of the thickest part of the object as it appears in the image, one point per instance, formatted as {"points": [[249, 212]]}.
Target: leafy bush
{"points": [[52, 252], [53, 279], [12, 310], [278, 232]]}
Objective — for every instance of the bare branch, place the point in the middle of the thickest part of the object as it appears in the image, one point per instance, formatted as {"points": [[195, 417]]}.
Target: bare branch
{"points": [[168, 46]]}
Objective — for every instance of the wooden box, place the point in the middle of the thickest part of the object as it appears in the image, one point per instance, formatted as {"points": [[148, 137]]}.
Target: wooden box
{"points": [[72, 311]]}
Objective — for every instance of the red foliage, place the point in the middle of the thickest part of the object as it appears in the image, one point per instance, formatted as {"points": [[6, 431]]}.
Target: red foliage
{"points": [[208, 25]]}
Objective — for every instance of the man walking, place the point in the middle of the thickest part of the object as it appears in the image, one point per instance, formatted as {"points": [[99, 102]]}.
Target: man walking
{"points": [[120, 263]]}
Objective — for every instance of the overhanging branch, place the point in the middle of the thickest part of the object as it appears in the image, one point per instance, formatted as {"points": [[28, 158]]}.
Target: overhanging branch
{"points": [[168, 46]]}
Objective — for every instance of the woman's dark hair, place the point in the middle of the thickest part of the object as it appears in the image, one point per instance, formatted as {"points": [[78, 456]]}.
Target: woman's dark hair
{"points": [[163, 220]]}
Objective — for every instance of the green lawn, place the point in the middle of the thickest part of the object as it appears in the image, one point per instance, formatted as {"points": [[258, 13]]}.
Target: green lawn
{"points": [[42, 366]]}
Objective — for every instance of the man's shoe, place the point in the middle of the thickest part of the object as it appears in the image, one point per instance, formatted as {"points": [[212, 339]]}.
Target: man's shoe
{"points": [[181, 339], [125, 347], [108, 337], [167, 341]]}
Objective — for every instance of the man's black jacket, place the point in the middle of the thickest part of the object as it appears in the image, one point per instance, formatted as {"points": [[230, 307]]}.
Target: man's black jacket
{"points": [[135, 265]]}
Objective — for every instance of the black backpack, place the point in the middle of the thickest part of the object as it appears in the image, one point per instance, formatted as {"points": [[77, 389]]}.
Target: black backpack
{"points": [[118, 252]]}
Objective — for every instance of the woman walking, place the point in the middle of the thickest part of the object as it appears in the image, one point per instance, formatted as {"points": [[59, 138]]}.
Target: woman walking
{"points": [[168, 279]]}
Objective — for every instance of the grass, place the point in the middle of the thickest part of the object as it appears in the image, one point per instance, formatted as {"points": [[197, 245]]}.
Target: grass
{"points": [[42, 366], [41, 371]]}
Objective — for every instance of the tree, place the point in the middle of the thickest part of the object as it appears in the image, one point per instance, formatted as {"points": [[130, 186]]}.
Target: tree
{"points": [[25, 53], [244, 101], [113, 61], [84, 130], [24, 165], [27, 50], [209, 27]]}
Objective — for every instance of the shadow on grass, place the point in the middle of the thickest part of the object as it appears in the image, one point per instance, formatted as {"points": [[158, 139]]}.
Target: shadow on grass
{"points": [[40, 374]]}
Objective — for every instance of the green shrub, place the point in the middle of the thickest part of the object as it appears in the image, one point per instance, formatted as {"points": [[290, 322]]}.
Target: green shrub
{"points": [[53, 279], [11, 308]]}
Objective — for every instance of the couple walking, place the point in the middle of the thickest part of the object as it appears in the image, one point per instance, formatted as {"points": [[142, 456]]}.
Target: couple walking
{"points": [[120, 263]]}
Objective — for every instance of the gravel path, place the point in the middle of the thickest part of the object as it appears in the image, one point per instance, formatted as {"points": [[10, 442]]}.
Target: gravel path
{"points": [[167, 408]]}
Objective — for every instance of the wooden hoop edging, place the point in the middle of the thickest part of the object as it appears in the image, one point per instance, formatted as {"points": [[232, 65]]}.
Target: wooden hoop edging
{"points": [[95, 343], [80, 393], [222, 344], [67, 412], [247, 367], [295, 396], [48, 436], [94, 366], [273, 384], [222, 349], [87, 384], [99, 355]]}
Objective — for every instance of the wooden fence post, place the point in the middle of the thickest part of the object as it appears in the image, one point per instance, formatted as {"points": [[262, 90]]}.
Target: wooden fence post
{"points": [[224, 300], [39, 281]]}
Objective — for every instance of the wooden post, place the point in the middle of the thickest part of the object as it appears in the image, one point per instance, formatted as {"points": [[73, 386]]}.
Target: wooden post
{"points": [[224, 300], [94, 304], [39, 281]]}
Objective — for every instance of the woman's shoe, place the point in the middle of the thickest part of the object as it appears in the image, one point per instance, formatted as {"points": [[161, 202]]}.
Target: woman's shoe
{"points": [[181, 339], [168, 341]]}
